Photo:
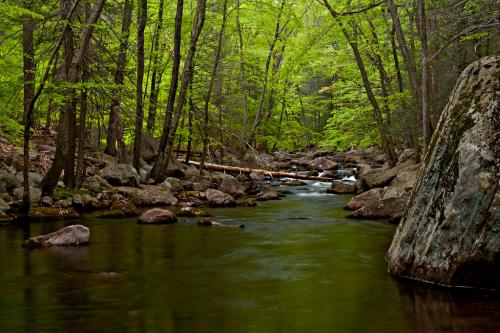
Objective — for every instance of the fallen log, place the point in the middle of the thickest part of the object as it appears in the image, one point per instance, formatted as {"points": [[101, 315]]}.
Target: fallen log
{"points": [[272, 174]]}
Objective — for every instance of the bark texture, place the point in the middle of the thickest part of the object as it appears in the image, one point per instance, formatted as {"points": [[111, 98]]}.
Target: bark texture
{"points": [[449, 234]]}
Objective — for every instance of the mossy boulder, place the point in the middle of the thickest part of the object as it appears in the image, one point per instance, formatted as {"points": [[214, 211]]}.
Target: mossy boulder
{"points": [[449, 234]]}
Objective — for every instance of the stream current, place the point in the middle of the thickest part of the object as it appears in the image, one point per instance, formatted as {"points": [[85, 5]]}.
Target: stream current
{"points": [[299, 266]]}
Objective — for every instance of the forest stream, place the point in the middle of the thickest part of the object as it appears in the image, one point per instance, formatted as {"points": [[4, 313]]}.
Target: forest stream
{"points": [[299, 265]]}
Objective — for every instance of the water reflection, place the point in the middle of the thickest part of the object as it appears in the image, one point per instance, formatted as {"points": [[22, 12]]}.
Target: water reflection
{"points": [[431, 310]]}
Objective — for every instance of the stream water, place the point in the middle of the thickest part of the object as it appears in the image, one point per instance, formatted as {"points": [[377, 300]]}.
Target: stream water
{"points": [[298, 266]]}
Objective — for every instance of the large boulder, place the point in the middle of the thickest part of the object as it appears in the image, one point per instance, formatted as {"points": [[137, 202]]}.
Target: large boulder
{"points": [[149, 195], [450, 232], [120, 175], [157, 216], [72, 235], [219, 199]]}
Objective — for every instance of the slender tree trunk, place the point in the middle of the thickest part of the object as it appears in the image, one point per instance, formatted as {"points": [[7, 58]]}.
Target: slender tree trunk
{"points": [[82, 130], [161, 159], [115, 131], [153, 97], [258, 114], [386, 142], [51, 178], [211, 85], [188, 68], [244, 84], [69, 109], [29, 70], [425, 75], [142, 12], [166, 140]]}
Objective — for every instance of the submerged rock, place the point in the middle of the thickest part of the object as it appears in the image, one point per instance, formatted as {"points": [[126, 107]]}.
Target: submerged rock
{"points": [[212, 223], [192, 212], [157, 216], [69, 236], [450, 232]]}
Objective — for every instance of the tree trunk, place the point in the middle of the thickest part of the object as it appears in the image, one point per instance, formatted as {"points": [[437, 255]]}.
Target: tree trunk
{"points": [[153, 96], [29, 70], [166, 140], [244, 84], [142, 12], [174, 79], [425, 75], [386, 142], [258, 114], [211, 85], [50, 180], [115, 132]]}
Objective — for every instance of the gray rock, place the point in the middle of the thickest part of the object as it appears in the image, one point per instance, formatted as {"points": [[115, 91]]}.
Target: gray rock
{"points": [[382, 177], [391, 208], [120, 175], [365, 198], [266, 193], [149, 195], [3, 205], [294, 182], [8, 181], [78, 201], [35, 193], [232, 186], [35, 178], [72, 235], [401, 185], [450, 232], [64, 203], [96, 183], [46, 201], [175, 184], [219, 199], [341, 187], [157, 216], [322, 163]]}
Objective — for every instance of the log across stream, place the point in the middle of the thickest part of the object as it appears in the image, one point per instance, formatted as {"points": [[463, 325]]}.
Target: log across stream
{"points": [[272, 174]]}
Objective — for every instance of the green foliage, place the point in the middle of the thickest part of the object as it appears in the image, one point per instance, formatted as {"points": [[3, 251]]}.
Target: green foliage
{"points": [[12, 130]]}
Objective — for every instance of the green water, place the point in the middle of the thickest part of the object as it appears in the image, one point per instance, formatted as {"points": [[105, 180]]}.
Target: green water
{"points": [[298, 266]]}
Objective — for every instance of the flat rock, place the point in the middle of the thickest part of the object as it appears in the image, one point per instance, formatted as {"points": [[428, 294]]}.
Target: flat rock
{"points": [[157, 216], [72, 235]]}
